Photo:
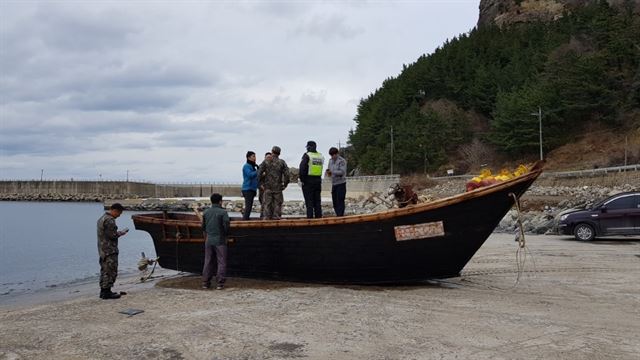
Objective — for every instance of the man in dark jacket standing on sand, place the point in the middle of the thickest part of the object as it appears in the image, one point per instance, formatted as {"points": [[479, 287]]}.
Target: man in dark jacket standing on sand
{"points": [[311, 180], [215, 226], [108, 235]]}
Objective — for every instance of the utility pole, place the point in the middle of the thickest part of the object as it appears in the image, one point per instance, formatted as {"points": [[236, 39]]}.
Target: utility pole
{"points": [[626, 142], [424, 153], [391, 149], [127, 175], [425, 161], [42, 173], [539, 115]]}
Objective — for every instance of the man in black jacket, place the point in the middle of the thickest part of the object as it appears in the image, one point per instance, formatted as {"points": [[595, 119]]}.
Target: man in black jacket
{"points": [[311, 180]]}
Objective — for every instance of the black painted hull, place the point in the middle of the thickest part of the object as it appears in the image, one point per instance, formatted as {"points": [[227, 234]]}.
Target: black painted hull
{"points": [[354, 249]]}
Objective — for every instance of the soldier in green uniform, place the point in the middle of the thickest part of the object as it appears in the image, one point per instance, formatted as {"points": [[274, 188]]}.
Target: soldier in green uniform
{"points": [[274, 175], [267, 157], [108, 235]]}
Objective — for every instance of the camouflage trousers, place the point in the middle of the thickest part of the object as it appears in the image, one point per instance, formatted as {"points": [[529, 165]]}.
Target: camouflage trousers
{"points": [[273, 204], [261, 199], [108, 270]]}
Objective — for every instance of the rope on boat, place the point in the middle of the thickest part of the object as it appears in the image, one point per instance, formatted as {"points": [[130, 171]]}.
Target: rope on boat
{"points": [[520, 236], [143, 265], [389, 204], [178, 237], [523, 250]]}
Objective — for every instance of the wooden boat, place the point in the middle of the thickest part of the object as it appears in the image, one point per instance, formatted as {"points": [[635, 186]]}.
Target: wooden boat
{"points": [[423, 241]]}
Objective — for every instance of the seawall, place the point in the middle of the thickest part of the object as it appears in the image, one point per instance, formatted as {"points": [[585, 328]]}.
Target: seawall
{"points": [[70, 190], [50, 189]]}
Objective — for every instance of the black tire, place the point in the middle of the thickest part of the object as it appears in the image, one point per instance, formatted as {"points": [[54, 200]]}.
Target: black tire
{"points": [[584, 232]]}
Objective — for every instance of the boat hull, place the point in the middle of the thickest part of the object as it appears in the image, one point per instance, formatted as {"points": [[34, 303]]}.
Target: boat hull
{"points": [[356, 249]]}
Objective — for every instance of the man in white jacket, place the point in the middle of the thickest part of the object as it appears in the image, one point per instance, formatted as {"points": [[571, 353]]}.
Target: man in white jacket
{"points": [[337, 170]]}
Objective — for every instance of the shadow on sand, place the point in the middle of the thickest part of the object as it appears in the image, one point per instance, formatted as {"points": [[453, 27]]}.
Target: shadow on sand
{"points": [[194, 282]]}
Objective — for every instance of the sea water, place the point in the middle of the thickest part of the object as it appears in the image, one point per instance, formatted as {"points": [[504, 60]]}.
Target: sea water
{"points": [[49, 244]]}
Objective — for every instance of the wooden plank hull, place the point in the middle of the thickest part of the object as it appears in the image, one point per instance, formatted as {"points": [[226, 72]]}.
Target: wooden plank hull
{"points": [[352, 249]]}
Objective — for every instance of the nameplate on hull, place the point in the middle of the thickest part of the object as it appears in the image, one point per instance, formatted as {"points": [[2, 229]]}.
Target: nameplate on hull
{"points": [[419, 231]]}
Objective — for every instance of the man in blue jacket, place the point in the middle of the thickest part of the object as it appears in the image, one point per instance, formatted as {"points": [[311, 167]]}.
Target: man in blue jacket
{"points": [[249, 183]]}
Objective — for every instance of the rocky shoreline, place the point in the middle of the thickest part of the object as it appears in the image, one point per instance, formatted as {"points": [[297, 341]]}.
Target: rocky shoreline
{"points": [[543, 204], [53, 197], [540, 205]]}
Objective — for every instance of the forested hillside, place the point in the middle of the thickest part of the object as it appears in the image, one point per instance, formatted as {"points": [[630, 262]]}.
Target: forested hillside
{"points": [[473, 98]]}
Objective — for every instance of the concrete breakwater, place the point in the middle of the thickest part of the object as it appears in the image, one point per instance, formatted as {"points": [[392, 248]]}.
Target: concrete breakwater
{"points": [[58, 197], [70, 190]]}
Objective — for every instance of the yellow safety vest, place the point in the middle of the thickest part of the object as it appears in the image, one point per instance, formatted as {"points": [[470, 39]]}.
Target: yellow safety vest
{"points": [[315, 163]]}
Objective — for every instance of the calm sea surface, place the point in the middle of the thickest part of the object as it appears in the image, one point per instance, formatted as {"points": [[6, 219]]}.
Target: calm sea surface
{"points": [[50, 244]]}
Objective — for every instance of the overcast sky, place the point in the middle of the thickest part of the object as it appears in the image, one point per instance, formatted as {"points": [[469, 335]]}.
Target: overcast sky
{"points": [[179, 91]]}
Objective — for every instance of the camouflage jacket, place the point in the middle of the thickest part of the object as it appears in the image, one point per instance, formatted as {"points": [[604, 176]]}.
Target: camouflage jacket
{"points": [[274, 174], [107, 235]]}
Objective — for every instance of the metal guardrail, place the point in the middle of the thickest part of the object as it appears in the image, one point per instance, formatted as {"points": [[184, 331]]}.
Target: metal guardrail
{"points": [[576, 173], [374, 177], [452, 177], [147, 182], [192, 184], [592, 172], [80, 180]]}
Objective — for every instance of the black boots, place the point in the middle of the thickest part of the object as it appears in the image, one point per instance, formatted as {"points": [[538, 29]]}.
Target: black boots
{"points": [[107, 294]]}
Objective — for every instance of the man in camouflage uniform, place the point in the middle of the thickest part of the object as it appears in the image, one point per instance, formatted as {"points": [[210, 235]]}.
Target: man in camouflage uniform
{"points": [[274, 175], [108, 235], [267, 157]]}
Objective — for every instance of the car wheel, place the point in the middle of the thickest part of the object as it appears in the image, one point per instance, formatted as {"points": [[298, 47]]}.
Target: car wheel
{"points": [[584, 232]]}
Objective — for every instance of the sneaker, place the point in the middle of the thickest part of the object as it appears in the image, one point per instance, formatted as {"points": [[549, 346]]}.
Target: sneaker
{"points": [[206, 286], [220, 287]]}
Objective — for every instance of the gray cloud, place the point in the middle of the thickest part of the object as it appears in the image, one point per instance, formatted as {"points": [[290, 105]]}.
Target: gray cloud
{"points": [[105, 87], [124, 99], [280, 9], [314, 97], [64, 28], [328, 27]]}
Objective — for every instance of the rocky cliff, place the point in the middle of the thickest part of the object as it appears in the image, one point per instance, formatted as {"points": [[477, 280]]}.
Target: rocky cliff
{"points": [[505, 12]]}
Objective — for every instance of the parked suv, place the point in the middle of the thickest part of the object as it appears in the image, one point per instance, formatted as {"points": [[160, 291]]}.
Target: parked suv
{"points": [[616, 215]]}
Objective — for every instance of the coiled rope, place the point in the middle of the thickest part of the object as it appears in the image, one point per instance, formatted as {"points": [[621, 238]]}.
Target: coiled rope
{"points": [[523, 250]]}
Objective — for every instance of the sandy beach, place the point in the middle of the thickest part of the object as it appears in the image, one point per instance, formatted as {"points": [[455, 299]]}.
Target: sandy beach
{"points": [[578, 301]]}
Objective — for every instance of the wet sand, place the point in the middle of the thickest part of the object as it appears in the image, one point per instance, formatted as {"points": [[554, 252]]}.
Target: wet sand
{"points": [[579, 301]]}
